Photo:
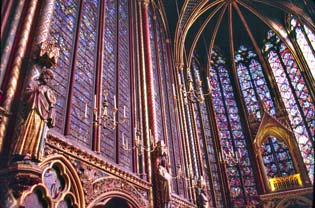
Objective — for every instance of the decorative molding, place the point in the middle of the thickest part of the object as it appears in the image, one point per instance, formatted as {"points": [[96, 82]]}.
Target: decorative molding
{"points": [[66, 172], [57, 145], [178, 202], [286, 194], [107, 186]]}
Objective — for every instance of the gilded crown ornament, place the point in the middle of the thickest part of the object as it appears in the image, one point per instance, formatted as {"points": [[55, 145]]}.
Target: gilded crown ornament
{"points": [[48, 54]]}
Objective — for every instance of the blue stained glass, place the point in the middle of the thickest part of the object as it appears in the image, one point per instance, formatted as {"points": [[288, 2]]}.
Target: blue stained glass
{"points": [[156, 51], [277, 158], [201, 116], [231, 135], [83, 88], [61, 31], [108, 141], [125, 78]]}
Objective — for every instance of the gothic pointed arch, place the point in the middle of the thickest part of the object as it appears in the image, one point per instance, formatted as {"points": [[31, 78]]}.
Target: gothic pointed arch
{"points": [[62, 181], [299, 201], [110, 187], [272, 128]]}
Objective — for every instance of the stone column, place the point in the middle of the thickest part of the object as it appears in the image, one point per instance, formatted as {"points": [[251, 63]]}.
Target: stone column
{"points": [[16, 68]]}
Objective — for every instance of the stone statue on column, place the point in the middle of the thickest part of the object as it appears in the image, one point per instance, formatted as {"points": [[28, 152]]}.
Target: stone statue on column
{"points": [[163, 176], [202, 196], [165, 179], [38, 112]]}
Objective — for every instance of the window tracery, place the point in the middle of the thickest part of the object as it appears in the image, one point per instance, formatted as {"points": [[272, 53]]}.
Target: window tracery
{"points": [[75, 27]]}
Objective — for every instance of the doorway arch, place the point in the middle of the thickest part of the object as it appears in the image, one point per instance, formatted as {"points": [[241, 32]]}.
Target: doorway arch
{"points": [[114, 190], [115, 202]]}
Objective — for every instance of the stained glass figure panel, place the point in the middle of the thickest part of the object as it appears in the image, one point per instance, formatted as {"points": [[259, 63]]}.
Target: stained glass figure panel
{"points": [[253, 83]]}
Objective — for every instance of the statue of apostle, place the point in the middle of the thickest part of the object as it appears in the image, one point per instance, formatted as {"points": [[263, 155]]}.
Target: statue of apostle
{"points": [[39, 101], [202, 198], [165, 179]]}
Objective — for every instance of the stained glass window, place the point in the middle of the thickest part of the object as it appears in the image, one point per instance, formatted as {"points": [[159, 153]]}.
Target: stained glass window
{"points": [[117, 80], [84, 75], [62, 31], [213, 168], [211, 173], [238, 166], [164, 80], [76, 29], [306, 41], [108, 143], [124, 95], [277, 158], [295, 96], [253, 83], [163, 97]]}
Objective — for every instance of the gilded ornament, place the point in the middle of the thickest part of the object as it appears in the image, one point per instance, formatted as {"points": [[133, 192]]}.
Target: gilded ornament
{"points": [[48, 54]]}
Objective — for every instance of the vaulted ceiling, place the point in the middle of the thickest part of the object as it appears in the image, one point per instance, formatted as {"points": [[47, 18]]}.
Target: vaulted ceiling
{"points": [[227, 24]]}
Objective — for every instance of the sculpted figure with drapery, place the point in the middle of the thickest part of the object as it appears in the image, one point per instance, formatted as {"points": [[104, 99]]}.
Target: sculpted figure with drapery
{"points": [[165, 182], [39, 114]]}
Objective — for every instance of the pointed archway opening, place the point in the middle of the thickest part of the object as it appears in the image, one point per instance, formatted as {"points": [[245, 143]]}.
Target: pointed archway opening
{"points": [[116, 202]]}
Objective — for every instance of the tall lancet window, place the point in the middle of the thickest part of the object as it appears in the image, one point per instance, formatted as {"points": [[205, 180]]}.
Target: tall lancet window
{"points": [[74, 29], [295, 95], [62, 31], [253, 82], [207, 148], [84, 74], [306, 41], [238, 167]]}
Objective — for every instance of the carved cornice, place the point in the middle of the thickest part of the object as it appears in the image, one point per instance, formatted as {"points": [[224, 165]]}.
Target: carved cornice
{"points": [[21, 176], [177, 201], [64, 147], [286, 194], [104, 187]]}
